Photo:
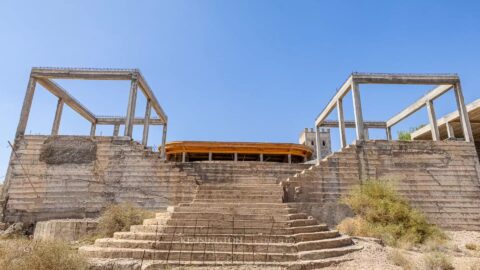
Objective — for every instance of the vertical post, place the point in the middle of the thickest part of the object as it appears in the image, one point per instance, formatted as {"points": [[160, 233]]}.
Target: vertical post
{"points": [[93, 128], [450, 132], [366, 133], [146, 123], [58, 117], [132, 101], [388, 130], [163, 154], [463, 113], [341, 123], [289, 158], [210, 156], [235, 157], [433, 121], [317, 142], [27, 104], [261, 157], [116, 129], [184, 157], [357, 110]]}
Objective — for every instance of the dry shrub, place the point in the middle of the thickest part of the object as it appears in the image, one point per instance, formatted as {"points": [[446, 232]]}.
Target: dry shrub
{"points": [[119, 218], [437, 261], [471, 246], [23, 254], [383, 213], [354, 226], [399, 259]]}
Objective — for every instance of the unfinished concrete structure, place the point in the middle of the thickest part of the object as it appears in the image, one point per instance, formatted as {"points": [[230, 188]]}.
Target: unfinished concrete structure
{"points": [[308, 137]]}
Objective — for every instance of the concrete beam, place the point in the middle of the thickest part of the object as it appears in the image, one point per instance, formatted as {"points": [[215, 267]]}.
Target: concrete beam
{"points": [[112, 120], [417, 105], [147, 91], [83, 73], [27, 105], [383, 78], [433, 121], [58, 117], [351, 124], [463, 113], [61, 93], [333, 102]]}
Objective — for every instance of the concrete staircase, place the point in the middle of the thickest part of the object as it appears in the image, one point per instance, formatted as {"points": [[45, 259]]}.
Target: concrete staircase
{"points": [[241, 221]]}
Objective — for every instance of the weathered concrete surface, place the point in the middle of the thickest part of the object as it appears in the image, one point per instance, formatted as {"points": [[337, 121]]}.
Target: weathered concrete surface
{"points": [[75, 149], [64, 229], [439, 178]]}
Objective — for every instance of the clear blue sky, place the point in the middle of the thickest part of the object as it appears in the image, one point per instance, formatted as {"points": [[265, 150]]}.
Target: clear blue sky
{"points": [[234, 70]]}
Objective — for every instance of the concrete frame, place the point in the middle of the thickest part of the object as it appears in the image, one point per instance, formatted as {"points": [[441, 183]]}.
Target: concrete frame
{"points": [[443, 83], [45, 77]]}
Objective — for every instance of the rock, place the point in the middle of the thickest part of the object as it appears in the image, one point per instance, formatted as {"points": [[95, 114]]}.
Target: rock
{"points": [[14, 229]]}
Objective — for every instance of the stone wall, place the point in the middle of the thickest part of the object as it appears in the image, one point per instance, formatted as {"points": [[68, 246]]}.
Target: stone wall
{"points": [[440, 178]]}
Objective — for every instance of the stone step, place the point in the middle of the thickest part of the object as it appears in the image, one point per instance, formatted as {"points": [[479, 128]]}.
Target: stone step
{"points": [[225, 215], [267, 223]]}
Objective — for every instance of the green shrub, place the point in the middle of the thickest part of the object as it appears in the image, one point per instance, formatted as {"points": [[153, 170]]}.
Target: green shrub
{"points": [[384, 214], [119, 218], [437, 261], [23, 254]]}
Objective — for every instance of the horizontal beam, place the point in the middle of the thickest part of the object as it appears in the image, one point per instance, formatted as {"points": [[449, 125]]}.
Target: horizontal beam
{"points": [[417, 105], [351, 124], [121, 121], [333, 102], [383, 78], [147, 91], [62, 94], [84, 73]]}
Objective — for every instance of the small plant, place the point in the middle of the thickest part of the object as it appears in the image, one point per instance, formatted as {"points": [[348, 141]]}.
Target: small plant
{"points": [[119, 218], [437, 261], [383, 213], [471, 246], [399, 259], [23, 254]]}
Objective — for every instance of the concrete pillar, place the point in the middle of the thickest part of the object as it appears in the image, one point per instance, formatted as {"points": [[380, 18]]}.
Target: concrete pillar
{"points": [[27, 104], [450, 132], [93, 128], [317, 142], [388, 130], [235, 157], [433, 121], [116, 129], [132, 101], [58, 117], [357, 110], [289, 158], [366, 133], [463, 113], [163, 154], [261, 157], [210, 156], [341, 124], [146, 124], [184, 157]]}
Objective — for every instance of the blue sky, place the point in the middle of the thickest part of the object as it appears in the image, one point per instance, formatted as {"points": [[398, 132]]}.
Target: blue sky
{"points": [[234, 70]]}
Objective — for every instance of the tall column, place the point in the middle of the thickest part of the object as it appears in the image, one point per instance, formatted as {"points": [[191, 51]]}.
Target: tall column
{"points": [[146, 123], [116, 129], [366, 133], [184, 157], [132, 101], [450, 132], [27, 104], [289, 158], [341, 123], [433, 121], [317, 142], [93, 128], [388, 130], [58, 117], [209, 156], [163, 154], [261, 157], [463, 113], [357, 110], [235, 157]]}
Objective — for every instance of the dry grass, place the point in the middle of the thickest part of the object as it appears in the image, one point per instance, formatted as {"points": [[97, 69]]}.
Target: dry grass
{"points": [[437, 261], [23, 254], [472, 246], [383, 213], [119, 218], [399, 259]]}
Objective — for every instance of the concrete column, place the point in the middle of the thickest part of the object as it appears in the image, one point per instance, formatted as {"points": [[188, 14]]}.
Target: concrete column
{"points": [[132, 101], [463, 113], [317, 142], [357, 110], [366, 133], [146, 124], [433, 121], [163, 154], [116, 129], [261, 157], [27, 104], [184, 157], [93, 128], [235, 157], [289, 158], [210, 156], [58, 117], [341, 124], [450, 132], [388, 130]]}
